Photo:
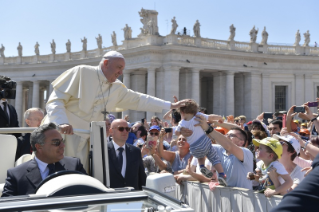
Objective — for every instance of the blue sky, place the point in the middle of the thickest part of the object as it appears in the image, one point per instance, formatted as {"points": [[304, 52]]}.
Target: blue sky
{"points": [[31, 21]]}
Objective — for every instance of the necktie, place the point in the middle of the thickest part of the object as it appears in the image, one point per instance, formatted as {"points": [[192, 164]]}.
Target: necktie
{"points": [[5, 111], [120, 158], [51, 168]]}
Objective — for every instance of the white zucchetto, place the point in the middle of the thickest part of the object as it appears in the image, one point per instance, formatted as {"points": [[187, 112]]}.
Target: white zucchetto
{"points": [[113, 54]]}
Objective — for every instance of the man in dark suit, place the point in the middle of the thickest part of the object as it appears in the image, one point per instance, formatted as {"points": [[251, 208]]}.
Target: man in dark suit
{"points": [[8, 116], [48, 145], [33, 118], [125, 160]]}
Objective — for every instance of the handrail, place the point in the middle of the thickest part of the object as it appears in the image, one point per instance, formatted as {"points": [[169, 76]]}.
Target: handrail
{"points": [[31, 129]]}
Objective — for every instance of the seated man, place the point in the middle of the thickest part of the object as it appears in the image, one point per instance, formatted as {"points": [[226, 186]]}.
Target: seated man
{"points": [[33, 118], [48, 145]]}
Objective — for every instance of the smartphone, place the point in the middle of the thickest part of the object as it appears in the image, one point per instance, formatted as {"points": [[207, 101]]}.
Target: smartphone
{"points": [[267, 115], [142, 120], [313, 104], [299, 109], [167, 130]]}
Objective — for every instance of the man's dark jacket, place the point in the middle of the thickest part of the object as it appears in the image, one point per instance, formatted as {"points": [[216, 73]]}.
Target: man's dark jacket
{"points": [[25, 178], [24, 146], [135, 172], [4, 122]]}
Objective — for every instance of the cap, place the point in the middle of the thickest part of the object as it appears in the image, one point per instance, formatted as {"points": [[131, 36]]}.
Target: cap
{"points": [[155, 127], [273, 143], [304, 124], [290, 139], [249, 123], [220, 129], [113, 54], [296, 121], [304, 131]]}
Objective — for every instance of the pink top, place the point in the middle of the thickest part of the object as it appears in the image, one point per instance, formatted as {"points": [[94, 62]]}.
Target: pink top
{"points": [[303, 163]]}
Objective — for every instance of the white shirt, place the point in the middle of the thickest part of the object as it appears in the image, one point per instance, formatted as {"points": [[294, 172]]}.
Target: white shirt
{"points": [[124, 156], [2, 107], [197, 131], [296, 175], [43, 167]]}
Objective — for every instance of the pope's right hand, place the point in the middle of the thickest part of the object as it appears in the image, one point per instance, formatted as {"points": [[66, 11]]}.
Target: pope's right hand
{"points": [[66, 129]]}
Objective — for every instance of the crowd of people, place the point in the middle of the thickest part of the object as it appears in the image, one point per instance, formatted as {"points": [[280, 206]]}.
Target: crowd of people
{"points": [[272, 155]]}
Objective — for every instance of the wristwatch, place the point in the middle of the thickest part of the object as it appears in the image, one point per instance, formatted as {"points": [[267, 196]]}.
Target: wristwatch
{"points": [[314, 119], [209, 130]]}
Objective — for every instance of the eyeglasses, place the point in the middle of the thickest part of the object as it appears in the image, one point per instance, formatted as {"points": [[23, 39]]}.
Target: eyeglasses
{"points": [[156, 134], [121, 129], [231, 135], [57, 142]]}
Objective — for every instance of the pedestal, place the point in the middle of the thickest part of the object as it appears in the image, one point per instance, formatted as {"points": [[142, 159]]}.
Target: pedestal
{"points": [[98, 52], [52, 57], [298, 50], [171, 39], [231, 45], [265, 49], [35, 58], [1, 60], [19, 60], [307, 50], [198, 42], [84, 54], [151, 39], [67, 56], [253, 47]]}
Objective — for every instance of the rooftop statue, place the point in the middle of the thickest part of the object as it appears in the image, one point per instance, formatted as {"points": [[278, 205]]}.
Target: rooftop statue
{"points": [[196, 29], [68, 46], [297, 38], [20, 50], [84, 45], [150, 27], [127, 32], [174, 26], [2, 51], [99, 41], [53, 46], [253, 35], [264, 35], [36, 49], [148, 18], [307, 38], [232, 31], [114, 38]]}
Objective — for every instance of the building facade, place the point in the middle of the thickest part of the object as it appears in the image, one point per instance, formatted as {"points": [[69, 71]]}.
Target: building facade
{"points": [[224, 76]]}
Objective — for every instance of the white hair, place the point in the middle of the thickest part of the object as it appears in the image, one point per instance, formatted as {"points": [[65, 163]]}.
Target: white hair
{"points": [[30, 110]]}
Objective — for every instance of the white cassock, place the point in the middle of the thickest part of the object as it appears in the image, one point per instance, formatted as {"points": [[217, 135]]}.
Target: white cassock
{"points": [[77, 99]]}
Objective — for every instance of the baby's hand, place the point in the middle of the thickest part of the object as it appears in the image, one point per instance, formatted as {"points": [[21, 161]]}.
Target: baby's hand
{"points": [[272, 172]]}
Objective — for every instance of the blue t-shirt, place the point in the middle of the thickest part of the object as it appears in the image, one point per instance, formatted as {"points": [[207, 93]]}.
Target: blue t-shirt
{"points": [[236, 170], [179, 164], [131, 138]]}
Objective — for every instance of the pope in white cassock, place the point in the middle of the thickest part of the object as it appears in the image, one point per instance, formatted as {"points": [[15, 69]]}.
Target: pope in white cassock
{"points": [[84, 93]]}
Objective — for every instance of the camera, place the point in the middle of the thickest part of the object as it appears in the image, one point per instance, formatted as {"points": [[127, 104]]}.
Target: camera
{"points": [[7, 88]]}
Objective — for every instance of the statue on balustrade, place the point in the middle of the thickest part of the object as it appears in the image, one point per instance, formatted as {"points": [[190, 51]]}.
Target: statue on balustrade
{"points": [[53, 46], [297, 38], [99, 41], [114, 38], [232, 31], [2, 51], [150, 27], [84, 46], [36, 49], [174, 26], [127, 32], [253, 35], [68, 46], [264, 35], [20, 50], [307, 38], [196, 29]]}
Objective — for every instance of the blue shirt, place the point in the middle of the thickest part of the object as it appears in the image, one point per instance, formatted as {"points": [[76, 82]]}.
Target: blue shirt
{"points": [[131, 138], [179, 164], [236, 170]]}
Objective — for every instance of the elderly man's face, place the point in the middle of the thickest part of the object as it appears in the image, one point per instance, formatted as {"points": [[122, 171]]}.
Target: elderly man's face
{"points": [[113, 68], [34, 119]]}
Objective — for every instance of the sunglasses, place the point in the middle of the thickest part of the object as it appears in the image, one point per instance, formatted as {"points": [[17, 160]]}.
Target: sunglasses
{"points": [[57, 142], [121, 129], [156, 134]]}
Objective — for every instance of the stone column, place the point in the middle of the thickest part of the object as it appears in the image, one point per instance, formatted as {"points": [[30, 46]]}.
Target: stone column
{"points": [[18, 102], [196, 85], [35, 94], [171, 80], [239, 94], [252, 95], [266, 93], [230, 94], [309, 97], [127, 82], [150, 87], [217, 109], [299, 88]]}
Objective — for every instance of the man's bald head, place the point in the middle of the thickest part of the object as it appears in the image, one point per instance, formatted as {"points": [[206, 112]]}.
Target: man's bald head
{"points": [[118, 122], [119, 131]]}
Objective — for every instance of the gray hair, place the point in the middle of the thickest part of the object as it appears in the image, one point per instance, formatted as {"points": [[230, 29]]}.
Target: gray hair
{"points": [[105, 58], [30, 110], [37, 136]]}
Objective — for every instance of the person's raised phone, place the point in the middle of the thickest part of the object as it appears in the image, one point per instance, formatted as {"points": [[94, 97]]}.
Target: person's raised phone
{"points": [[167, 130], [143, 120], [299, 109], [313, 104]]}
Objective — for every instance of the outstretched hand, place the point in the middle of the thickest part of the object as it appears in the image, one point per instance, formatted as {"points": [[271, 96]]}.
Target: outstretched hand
{"points": [[178, 104]]}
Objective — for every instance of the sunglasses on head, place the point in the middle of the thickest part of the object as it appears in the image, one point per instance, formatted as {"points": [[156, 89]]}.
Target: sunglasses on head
{"points": [[155, 133], [57, 142], [121, 129]]}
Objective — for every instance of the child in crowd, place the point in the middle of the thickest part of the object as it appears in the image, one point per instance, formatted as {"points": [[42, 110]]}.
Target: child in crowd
{"points": [[269, 151], [200, 144]]}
